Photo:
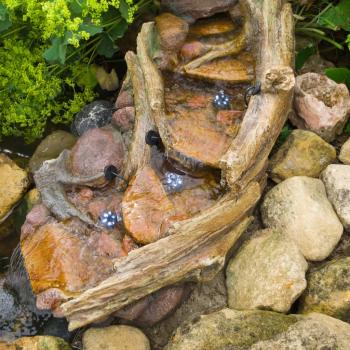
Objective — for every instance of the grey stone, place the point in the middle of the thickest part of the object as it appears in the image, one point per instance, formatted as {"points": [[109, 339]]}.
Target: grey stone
{"points": [[94, 115]]}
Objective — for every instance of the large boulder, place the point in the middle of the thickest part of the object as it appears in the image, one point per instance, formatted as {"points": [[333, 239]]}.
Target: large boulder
{"points": [[303, 154], [336, 179], [328, 290], [51, 147], [14, 182], [299, 207], [268, 273], [262, 330], [115, 338], [321, 104]]}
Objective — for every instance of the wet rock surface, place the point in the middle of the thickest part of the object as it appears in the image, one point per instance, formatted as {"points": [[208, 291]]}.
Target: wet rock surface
{"points": [[51, 147], [303, 154], [300, 208], [328, 290], [14, 182], [321, 104], [94, 115], [267, 273], [115, 338], [336, 178]]}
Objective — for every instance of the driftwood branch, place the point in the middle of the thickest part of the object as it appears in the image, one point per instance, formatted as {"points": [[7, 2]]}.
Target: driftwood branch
{"points": [[271, 33], [195, 251], [139, 153]]}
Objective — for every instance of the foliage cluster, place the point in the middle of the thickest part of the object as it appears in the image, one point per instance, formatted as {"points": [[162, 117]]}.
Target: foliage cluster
{"points": [[47, 48]]}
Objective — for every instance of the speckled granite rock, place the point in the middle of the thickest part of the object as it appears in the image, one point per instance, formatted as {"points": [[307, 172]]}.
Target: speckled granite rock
{"points": [[303, 154], [94, 115], [328, 290], [299, 207], [336, 179], [267, 273]]}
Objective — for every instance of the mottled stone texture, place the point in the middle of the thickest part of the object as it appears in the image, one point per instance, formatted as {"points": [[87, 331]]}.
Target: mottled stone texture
{"points": [[303, 154], [299, 207], [268, 273]]}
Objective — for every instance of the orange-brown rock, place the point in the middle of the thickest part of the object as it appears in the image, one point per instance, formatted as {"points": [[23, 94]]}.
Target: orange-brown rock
{"points": [[194, 135], [172, 31], [228, 116], [228, 70], [67, 258], [147, 211], [212, 26]]}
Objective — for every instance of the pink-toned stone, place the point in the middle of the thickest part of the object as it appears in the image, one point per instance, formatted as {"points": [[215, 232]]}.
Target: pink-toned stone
{"points": [[172, 31], [123, 119], [96, 149], [128, 244], [162, 304], [125, 99], [192, 50], [38, 216], [193, 9], [133, 311], [321, 105], [85, 194]]}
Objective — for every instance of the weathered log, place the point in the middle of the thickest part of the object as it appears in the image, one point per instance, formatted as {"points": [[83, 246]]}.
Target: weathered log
{"points": [[195, 251], [271, 33], [139, 152]]}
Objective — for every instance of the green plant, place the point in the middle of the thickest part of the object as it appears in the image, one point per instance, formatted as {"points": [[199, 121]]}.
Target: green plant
{"points": [[47, 48], [321, 20]]}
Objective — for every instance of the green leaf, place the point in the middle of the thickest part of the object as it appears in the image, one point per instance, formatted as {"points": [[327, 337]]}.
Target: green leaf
{"points": [[339, 75], [87, 77], [124, 9], [107, 47], [5, 22], [92, 29], [118, 30], [76, 7], [337, 17], [303, 55], [56, 53]]}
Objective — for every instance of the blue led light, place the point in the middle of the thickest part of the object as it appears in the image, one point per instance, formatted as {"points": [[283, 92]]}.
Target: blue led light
{"points": [[221, 100]]}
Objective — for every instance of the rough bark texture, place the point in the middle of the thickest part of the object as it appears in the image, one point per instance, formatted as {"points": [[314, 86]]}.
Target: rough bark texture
{"points": [[195, 251], [271, 33], [196, 248], [139, 153]]}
